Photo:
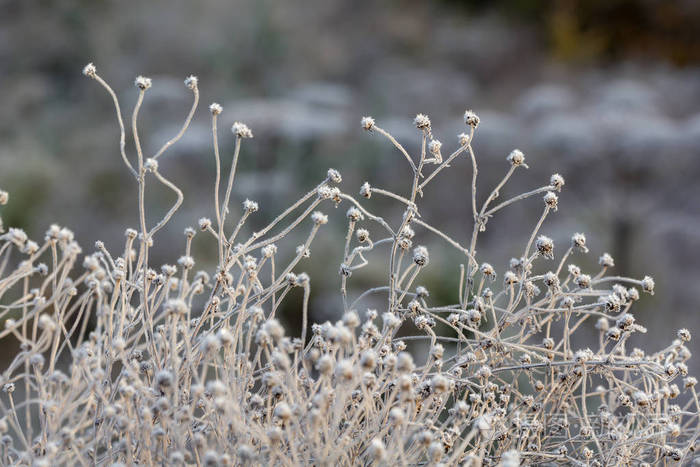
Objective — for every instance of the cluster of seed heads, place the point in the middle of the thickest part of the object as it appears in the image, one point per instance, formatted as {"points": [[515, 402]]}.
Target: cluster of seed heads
{"points": [[122, 362]]}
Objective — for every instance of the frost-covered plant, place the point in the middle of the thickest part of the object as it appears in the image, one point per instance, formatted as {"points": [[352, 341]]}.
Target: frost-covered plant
{"points": [[120, 362]]}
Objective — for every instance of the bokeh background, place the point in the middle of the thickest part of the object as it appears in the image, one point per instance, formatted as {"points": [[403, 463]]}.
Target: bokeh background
{"points": [[605, 92]]}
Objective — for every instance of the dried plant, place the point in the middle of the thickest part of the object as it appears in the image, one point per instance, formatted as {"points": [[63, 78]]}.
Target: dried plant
{"points": [[122, 363]]}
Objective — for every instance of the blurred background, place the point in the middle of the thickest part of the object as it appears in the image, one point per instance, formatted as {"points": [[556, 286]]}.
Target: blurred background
{"points": [[605, 92]]}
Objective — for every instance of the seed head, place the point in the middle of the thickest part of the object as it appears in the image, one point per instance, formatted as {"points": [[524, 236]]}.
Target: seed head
{"points": [[142, 83], [191, 82], [204, 223], [90, 70], [250, 206], [578, 240], [319, 218], [422, 122], [551, 200], [488, 271], [545, 246], [376, 450], [241, 130], [556, 181], [606, 261], [516, 158], [583, 281], [434, 148], [366, 190], [334, 176], [420, 256], [367, 123], [215, 108], [471, 119]]}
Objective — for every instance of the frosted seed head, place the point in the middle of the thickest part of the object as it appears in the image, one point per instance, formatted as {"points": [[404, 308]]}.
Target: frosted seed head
{"points": [[648, 285], [551, 200], [351, 319], [215, 108], [545, 246], [613, 333], [439, 384], [684, 335], [90, 70], [516, 158], [463, 139], [437, 351], [368, 360], [164, 379], [488, 271], [325, 365], [484, 372], [510, 459], [274, 329], [404, 362], [204, 223], [241, 130], [354, 214], [187, 262], [578, 241], [344, 371], [606, 261], [376, 450], [250, 206], [366, 190], [47, 323], [471, 119], [37, 361], [319, 218], [422, 122], [16, 236], [362, 235], [367, 123], [434, 148], [142, 83], [191, 82], [269, 250], [396, 416], [510, 278], [334, 176], [4, 197], [420, 256], [556, 181], [583, 281]]}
